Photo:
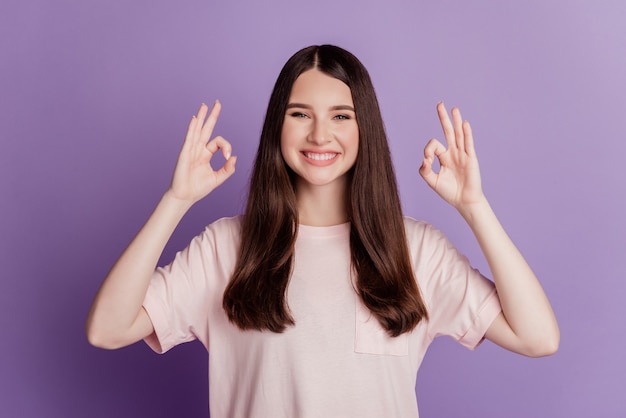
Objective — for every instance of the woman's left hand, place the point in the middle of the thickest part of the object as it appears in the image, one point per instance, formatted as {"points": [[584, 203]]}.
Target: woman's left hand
{"points": [[527, 324], [458, 180]]}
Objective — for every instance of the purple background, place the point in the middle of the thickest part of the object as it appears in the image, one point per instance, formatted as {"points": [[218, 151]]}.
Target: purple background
{"points": [[95, 97]]}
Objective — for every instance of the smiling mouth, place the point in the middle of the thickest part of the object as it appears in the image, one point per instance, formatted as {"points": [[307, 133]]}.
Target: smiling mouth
{"points": [[325, 156]]}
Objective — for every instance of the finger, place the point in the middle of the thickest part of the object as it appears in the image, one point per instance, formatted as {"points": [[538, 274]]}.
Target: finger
{"points": [[457, 122], [207, 128], [190, 143], [191, 129], [433, 149], [446, 125], [469, 139], [218, 143], [200, 116], [202, 111]]}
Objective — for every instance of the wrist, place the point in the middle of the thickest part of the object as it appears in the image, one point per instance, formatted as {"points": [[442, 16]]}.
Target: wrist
{"points": [[174, 203], [473, 212]]}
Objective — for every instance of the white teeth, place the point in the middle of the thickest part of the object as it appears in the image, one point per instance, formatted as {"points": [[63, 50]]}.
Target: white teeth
{"points": [[320, 157]]}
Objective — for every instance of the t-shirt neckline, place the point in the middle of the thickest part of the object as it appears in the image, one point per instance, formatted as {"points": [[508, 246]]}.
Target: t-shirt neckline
{"points": [[308, 231]]}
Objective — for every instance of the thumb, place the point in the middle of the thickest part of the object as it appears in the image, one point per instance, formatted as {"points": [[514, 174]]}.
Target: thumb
{"points": [[227, 170], [432, 149], [427, 173]]}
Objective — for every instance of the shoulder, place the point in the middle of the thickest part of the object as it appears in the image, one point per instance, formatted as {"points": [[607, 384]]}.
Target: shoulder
{"points": [[416, 229], [219, 240], [231, 223], [227, 228], [425, 240]]}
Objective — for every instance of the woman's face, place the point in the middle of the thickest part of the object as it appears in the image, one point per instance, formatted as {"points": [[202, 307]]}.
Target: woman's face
{"points": [[320, 135]]}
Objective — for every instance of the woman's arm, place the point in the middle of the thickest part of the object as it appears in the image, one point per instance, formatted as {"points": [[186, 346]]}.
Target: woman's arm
{"points": [[527, 324], [116, 318]]}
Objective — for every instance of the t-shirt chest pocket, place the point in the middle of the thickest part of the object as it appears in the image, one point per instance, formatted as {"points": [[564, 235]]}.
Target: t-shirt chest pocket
{"points": [[371, 338]]}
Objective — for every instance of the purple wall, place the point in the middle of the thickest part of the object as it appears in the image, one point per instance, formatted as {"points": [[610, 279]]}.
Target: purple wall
{"points": [[94, 100]]}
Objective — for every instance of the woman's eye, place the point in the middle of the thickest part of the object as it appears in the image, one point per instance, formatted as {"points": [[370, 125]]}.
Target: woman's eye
{"points": [[342, 117], [298, 115]]}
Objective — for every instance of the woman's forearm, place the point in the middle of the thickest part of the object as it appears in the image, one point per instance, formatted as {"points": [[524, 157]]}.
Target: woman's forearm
{"points": [[524, 303], [112, 319]]}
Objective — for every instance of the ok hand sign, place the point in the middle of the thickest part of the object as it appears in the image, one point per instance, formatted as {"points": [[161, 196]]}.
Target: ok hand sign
{"points": [[458, 180], [194, 178]]}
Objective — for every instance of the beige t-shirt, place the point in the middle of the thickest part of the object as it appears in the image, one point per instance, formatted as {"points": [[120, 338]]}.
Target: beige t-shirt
{"points": [[337, 361]]}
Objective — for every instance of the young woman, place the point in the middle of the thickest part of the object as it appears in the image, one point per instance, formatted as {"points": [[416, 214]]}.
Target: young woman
{"points": [[321, 299]]}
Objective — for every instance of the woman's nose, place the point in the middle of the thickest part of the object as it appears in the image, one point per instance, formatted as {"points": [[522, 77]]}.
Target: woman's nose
{"points": [[319, 133]]}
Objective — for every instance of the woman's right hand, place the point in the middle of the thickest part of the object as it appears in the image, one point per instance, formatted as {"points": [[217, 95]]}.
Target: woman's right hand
{"points": [[194, 177], [116, 318]]}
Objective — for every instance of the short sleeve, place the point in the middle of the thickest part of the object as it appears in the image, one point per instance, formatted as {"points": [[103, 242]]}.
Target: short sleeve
{"points": [[461, 302], [182, 295]]}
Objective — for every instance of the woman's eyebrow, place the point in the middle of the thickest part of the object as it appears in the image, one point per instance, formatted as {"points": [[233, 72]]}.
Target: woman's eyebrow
{"points": [[343, 107], [298, 105], [305, 106]]}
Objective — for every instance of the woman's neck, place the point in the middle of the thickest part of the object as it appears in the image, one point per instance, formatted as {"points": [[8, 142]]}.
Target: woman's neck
{"points": [[322, 205]]}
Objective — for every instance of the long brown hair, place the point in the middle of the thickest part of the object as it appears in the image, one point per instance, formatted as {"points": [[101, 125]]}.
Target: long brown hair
{"points": [[255, 298]]}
